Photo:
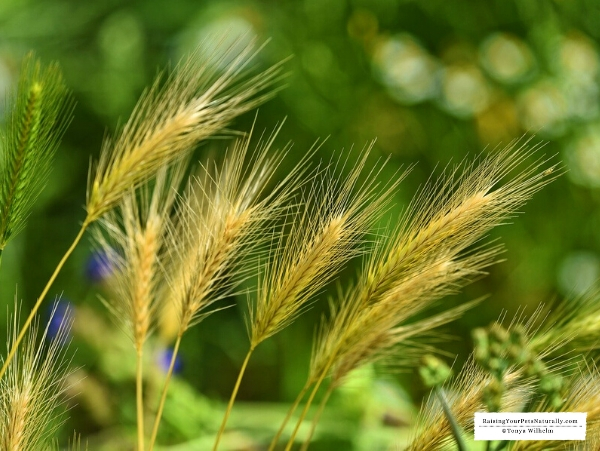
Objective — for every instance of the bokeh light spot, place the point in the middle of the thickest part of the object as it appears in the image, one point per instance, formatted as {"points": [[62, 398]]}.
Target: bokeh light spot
{"points": [[406, 69], [578, 272], [506, 58]]}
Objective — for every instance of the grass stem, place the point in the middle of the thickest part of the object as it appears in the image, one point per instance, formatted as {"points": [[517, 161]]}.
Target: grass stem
{"points": [[307, 405], [38, 303], [232, 398], [289, 415], [165, 389], [317, 417], [456, 433], [139, 396]]}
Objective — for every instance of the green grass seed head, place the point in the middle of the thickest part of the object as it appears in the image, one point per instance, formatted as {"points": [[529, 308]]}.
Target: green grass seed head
{"points": [[39, 112]]}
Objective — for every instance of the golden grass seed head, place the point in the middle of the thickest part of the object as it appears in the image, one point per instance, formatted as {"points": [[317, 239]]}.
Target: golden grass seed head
{"points": [[133, 240], [33, 388], [219, 223], [325, 234], [425, 259], [196, 102]]}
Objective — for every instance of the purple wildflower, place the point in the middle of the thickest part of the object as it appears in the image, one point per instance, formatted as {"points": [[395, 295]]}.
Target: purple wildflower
{"points": [[60, 318], [164, 360], [99, 267]]}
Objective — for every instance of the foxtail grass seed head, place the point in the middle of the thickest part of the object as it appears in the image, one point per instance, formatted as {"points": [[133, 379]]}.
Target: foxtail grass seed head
{"points": [[325, 234], [32, 390], [456, 210], [426, 256], [198, 100], [220, 221], [574, 323], [38, 114], [133, 244]]}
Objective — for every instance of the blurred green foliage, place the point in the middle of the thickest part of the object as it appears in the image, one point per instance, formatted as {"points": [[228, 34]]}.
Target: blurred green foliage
{"points": [[433, 81]]}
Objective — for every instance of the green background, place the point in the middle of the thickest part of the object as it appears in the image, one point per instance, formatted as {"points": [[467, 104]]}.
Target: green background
{"points": [[434, 82]]}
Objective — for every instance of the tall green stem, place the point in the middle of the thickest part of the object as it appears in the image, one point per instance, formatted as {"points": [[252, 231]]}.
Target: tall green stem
{"points": [[165, 389], [289, 415], [232, 398], [139, 396], [39, 301], [307, 406], [455, 428], [317, 417]]}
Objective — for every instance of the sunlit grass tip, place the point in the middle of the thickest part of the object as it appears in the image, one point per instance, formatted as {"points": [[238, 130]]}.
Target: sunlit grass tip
{"points": [[203, 94]]}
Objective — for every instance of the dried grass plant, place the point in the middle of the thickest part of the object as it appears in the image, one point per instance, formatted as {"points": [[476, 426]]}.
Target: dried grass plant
{"points": [[325, 233]]}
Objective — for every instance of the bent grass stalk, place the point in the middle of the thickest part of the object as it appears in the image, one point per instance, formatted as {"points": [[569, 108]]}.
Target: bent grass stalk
{"points": [[232, 398], [163, 395], [139, 400], [308, 404]]}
